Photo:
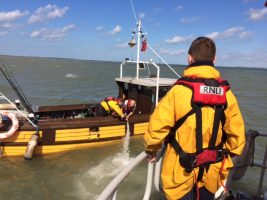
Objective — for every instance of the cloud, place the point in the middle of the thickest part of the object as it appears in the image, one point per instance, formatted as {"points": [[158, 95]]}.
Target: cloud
{"points": [[178, 39], [231, 32], [185, 20], [47, 13], [12, 15], [122, 45], [257, 14], [249, 1], [2, 33], [248, 58], [115, 31], [7, 25], [56, 34], [179, 7], [22, 34], [99, 28], [245, 34], [213, 35], [157, 10], [141, 15], [171, 52]]}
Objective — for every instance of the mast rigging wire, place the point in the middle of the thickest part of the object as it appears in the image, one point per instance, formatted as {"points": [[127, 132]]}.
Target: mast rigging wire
{"points": [[133, 11], [163, 60], [150, 46], [14, 84]]}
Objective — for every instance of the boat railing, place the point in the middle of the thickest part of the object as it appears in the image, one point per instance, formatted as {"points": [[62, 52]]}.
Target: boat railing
{"points": [[3, 97], [262, 165], [110, 192], [137, 75]]}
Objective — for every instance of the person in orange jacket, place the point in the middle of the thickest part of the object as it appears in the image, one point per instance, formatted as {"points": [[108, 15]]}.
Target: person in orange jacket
{"points": [[200, 121]]}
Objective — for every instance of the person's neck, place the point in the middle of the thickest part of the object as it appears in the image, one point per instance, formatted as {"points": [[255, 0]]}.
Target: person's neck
{"points": [[201, 63]]}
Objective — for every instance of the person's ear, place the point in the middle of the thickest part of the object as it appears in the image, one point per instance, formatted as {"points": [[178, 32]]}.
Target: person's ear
{"points": [[190, 59], [214, 60]]}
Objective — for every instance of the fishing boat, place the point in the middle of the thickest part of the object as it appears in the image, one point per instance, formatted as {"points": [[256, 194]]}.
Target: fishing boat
{"points": [[58, 128]]}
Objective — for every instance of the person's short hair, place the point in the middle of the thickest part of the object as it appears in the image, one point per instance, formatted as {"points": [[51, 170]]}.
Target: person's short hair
{"points": [[130, 103], [202, 49]]}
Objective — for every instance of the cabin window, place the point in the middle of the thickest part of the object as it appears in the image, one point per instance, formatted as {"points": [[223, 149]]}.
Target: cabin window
{"points": [[132, 91], [141, 65], [125, 86], [144, 100]]}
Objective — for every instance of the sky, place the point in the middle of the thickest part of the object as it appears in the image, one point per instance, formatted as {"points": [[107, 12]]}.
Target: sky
{"points": [[101, 29]]}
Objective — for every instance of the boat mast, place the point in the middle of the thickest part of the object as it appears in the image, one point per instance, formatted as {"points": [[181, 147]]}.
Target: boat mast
{"points": [[139, 34]]}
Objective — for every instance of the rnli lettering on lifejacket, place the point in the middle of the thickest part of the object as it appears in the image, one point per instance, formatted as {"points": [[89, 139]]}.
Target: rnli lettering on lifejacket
{"points": [[204, 89], [213, 94]]}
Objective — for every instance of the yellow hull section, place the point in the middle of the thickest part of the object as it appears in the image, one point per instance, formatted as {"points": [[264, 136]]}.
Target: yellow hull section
{"points": [[68, 139], [15, 151]]}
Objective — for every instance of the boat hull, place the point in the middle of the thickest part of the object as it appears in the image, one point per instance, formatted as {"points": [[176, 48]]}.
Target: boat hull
{"points": [[60, 135]]}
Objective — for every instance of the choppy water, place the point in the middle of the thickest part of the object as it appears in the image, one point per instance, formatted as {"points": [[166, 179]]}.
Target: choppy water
{"points": [[83, 174]]}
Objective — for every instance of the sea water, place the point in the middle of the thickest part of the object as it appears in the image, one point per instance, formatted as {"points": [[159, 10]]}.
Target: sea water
{"points": [[83, 174]]}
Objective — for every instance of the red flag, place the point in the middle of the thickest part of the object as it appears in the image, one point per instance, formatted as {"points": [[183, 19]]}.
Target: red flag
{"points": [[265, 4], [144, 45]]}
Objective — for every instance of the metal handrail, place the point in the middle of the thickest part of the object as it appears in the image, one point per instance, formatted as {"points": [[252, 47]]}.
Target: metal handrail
{"points": [[158, 73], [111, 189]]}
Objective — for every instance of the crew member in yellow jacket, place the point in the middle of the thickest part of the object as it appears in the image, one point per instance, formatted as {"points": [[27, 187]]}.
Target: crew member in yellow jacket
{"points": [[123, 109], [206, 172]]}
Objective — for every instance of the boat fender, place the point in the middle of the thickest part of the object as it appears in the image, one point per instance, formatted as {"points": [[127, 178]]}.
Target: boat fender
{"points": [[31, 147], [17, 103], [14, 127]]}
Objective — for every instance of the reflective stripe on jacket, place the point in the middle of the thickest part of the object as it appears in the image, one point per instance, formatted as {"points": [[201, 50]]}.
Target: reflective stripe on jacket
{"points": [[174, 105], [112, 106]]}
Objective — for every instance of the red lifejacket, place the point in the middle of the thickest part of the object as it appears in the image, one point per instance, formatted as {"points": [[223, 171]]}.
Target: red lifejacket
{"points": [[205, 92], [110, 98], [210, 92]]}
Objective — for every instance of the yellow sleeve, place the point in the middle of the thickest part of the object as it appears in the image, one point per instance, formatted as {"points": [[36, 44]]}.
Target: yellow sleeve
{"points": [[160, 122], [234, 125], [115, 107]]}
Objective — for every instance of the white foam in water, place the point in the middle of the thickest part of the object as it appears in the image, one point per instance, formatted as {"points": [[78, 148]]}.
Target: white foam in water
{"points": [[127, 139], [82, 192], [71, 76], [109, 167]]}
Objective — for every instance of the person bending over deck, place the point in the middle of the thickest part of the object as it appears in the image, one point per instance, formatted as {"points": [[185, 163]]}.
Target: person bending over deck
{"points": [[116, 107], [128, 108], [201, 124]]}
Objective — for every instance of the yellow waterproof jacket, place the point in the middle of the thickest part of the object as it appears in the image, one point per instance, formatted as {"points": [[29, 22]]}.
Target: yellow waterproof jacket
{"points": [[173, 106], [112, 106]]}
